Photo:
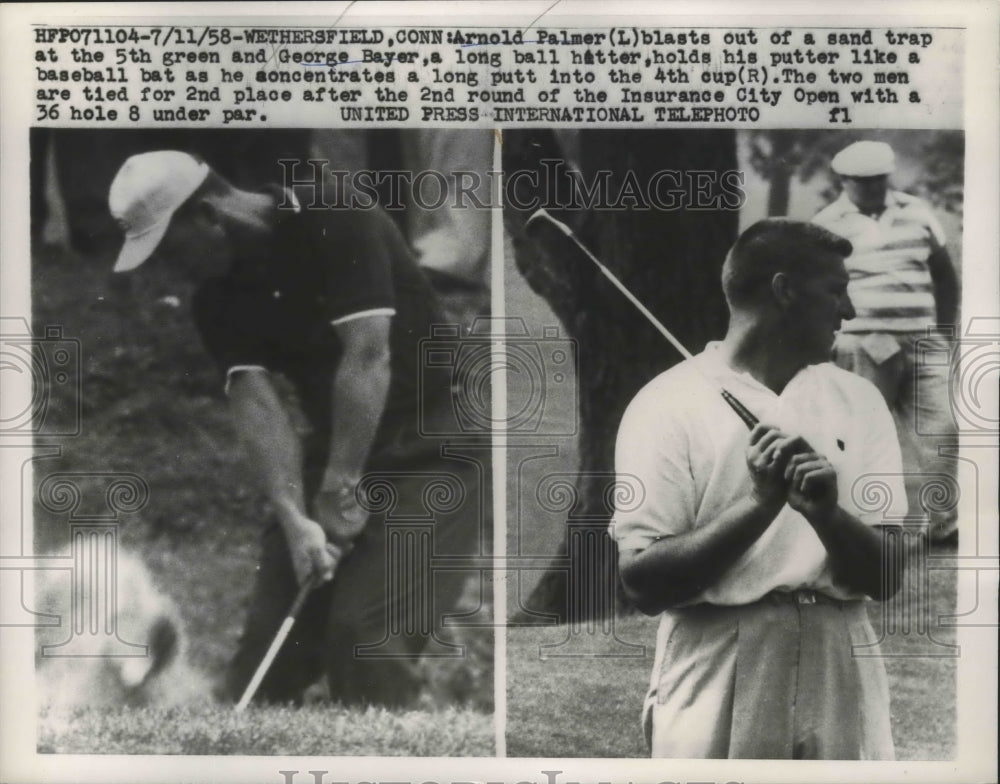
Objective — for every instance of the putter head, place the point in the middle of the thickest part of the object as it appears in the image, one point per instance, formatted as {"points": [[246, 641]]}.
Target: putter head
{"points": [[539, 217]]}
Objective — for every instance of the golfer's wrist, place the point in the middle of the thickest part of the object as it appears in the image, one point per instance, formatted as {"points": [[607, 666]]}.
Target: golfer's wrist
{"points": [[343, 541], [823, 517], [340, 513], [339, 473], [298, 527], [340, 488], [767, 502], [342, 527], [291, 516], [339, 493]]}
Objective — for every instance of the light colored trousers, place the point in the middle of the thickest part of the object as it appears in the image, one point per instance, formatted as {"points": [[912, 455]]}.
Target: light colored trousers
{"points": [[775, 679]]}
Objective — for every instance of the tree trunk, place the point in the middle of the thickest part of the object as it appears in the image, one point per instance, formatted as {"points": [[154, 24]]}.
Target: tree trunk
{"points": [[780, 169], [670, 259]]}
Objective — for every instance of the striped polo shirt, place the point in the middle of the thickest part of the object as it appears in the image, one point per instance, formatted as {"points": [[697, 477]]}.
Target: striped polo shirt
{"points": [[890, 284]]}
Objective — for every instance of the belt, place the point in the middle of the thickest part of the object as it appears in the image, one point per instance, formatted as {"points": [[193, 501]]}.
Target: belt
{"points": [[802, 596]]}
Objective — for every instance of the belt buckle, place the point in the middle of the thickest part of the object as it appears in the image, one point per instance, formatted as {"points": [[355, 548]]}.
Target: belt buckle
{"points": [[805, 597]]}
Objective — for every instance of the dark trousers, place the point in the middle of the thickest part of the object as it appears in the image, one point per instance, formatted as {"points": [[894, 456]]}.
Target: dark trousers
{"points": [[368, 627]]}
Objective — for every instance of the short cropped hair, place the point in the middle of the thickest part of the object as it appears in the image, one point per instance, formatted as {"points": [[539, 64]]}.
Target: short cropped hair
{"points": [[214, 183], [775, 245]]}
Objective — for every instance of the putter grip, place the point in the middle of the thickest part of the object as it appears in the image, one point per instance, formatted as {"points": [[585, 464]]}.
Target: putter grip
{"points": [[744, 413], [741, 411]]}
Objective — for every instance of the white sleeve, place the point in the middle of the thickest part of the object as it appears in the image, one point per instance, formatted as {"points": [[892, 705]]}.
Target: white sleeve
{"points": [[652, 457], [240, 369], [935, 228], [363, 314]]}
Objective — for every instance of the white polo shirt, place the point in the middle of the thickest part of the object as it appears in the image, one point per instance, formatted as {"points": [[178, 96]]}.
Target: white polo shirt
{"points": [[687, 450]]}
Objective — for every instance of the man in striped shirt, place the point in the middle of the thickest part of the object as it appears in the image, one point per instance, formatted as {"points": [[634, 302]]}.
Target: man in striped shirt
{"points": [[902, 282]]}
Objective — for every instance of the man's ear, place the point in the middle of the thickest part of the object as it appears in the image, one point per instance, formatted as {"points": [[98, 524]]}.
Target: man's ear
{"points": [[782, 289]]}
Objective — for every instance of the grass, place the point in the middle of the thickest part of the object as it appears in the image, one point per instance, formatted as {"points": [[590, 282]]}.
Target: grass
{"points": [[326, 731], [586, 707], [152, 405], [560, 707]]}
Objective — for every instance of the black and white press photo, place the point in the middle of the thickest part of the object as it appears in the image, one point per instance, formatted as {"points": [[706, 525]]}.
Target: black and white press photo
{"points": [[270, 507], [538, 392], [757, 322]]}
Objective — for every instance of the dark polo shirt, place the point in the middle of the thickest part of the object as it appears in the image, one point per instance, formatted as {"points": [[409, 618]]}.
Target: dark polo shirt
{"points": [[325, 267]]}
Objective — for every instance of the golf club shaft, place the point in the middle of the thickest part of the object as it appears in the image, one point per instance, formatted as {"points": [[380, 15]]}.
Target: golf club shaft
{"points": [[741, 411], [276, 643]]}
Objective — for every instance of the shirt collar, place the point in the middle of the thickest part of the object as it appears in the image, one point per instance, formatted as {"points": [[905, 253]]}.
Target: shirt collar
{"points": [[716, 366], [286, 205], [847, 207]]}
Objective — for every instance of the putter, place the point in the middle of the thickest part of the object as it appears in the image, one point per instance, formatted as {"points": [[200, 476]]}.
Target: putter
{"points": [[540, 216], [276, 643]]}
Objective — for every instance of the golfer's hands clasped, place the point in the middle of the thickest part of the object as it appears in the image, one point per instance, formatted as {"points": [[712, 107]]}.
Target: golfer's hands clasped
{"points": [[786, 469], [812, 485], [340, 515], [767, 457], [313, 555]]}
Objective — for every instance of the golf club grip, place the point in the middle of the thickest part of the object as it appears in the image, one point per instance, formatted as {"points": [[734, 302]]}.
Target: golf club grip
{"points": [[741, 410], [743, 413], [303, 594]]}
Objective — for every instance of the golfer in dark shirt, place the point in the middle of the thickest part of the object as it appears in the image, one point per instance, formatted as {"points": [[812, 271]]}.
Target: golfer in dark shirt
{"points": [[332, 301]]}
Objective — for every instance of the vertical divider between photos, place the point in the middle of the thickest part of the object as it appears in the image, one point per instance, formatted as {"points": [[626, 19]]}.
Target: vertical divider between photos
{"points": [[499, 441]]}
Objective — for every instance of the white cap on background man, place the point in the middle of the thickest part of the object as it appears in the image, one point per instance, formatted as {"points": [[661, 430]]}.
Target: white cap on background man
{"points": [[864, 159]]}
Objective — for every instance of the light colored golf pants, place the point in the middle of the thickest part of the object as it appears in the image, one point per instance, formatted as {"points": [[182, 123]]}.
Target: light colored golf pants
{"points": [[777, 679]]}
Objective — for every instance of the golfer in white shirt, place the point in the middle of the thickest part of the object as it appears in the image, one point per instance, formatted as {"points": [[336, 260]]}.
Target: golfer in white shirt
{"points": [[756, 548]]}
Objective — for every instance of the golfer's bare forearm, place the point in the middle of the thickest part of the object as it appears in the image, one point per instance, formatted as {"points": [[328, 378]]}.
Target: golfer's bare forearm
{"points": [[360, 389], [675, 569], [272, 443], [856, 553]]}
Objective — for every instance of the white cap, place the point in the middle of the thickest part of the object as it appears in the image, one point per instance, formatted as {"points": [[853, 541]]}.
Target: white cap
{"points": [[864, 159], [144, 195]]}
